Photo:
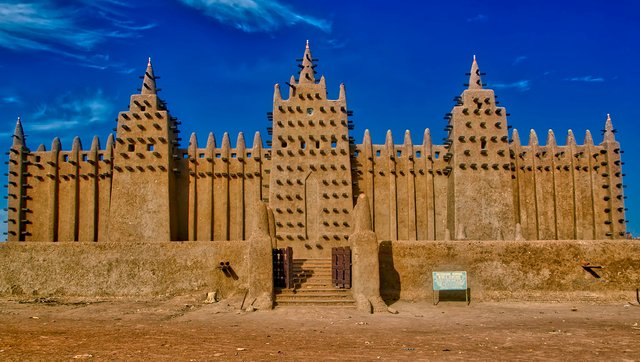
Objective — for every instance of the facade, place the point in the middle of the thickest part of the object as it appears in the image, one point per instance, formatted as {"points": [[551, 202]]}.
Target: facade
{"points": [[478, 185]]}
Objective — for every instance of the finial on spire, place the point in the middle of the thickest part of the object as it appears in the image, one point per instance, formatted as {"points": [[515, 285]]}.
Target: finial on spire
{"points": [[18, 134], [475, 82], [307, 73], [609, 132], [149, 80]]}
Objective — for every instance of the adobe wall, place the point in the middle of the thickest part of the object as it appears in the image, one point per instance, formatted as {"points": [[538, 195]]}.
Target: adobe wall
{"points": [[137, 270], [498, 270], [514, 270]]}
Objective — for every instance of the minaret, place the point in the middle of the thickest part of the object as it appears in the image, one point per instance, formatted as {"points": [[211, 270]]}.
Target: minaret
{"points": [[310, 187], [15, 187], [617, 226], [480, 186], [142, 197]]}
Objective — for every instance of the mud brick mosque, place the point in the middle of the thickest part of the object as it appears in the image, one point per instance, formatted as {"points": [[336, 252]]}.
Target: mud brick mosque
{"points": [[481, 184]]}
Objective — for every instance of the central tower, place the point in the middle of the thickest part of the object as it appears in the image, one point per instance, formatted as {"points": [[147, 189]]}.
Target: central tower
{"points": [[310, 189]]}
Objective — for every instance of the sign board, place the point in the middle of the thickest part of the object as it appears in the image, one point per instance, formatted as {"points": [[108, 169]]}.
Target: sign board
{"points": [[454, 280]]}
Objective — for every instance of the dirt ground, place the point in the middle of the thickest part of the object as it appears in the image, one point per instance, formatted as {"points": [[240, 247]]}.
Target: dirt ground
{"points": [[186, 329]]}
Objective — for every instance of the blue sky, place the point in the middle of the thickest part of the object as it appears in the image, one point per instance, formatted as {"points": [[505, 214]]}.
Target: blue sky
{"points": [[68, 67]]}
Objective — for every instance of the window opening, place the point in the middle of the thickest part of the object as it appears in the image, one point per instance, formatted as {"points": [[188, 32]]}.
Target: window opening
{"points": [[150, 147], [437, 154], [131, 147], [334, 142], [418, 154], [85, 157], [201, 155]]}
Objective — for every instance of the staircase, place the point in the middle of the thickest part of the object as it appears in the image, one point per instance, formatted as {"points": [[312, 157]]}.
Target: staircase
{"points": [[313, 286]]}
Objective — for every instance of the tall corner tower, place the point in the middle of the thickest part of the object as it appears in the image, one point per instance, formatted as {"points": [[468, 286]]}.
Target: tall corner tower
{"points": [[481, 192], [142, 205], [310, 187]]}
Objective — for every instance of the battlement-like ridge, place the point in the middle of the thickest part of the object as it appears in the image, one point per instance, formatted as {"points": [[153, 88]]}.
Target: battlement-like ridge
{"points": [[479, 184]]}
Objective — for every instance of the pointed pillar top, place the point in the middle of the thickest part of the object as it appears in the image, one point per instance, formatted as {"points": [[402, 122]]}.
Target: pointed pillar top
{"points": [[18, 134], [609, 132], [149, 80], [475, 82], [307, 72]]}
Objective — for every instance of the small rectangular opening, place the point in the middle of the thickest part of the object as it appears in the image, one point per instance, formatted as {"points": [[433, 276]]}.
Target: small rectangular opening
{"points": [[233, 155], [334, 142], [101, 157], [143, 108], [249, 155], [398, 153], [436, 154], [284, 144], [317, 144], [218, 155], [37, 158], [356, 153], [377, 153], [65, 158], [201, 155], [185, 156], [85, 157], [418, 154], [303, 145], [150, 147], [131, 147]]}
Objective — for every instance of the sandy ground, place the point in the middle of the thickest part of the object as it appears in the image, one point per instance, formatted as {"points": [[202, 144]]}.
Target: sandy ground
{"points": [[185, 329]]}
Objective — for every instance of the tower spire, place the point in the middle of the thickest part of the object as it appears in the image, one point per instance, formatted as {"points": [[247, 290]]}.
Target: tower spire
{"points": [[149, 80], [18, 134], [475, 82], [608, 129], [307, 73]]}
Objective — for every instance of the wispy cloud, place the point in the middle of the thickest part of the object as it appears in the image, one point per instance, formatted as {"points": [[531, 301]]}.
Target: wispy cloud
{"points": [[11, 100], [586, 78], [72, 111], [256, 15], [519, 59], [71, 31], [478, 18], [521, 85]]}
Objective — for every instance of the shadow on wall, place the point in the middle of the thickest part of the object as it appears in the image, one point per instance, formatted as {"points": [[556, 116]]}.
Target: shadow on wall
{"points": [[389, 277]]}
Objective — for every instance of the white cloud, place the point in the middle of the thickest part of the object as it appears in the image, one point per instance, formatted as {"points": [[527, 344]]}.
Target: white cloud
{"points": [[11, 100], [478, 18], [63, 29], [72, 111], [521, 85], [586, 78], [255, 15], [519, 59]]}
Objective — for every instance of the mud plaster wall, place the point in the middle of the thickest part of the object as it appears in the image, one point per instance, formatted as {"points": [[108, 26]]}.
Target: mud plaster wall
{"points": [[511, 270], [120, 269]]}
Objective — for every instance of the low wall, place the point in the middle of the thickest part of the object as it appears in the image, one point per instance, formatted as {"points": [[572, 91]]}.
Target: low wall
{"points": [[497, 270], [514, 270], [120, 269]]}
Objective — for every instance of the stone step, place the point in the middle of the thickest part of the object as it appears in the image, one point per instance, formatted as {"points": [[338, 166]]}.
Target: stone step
{"points": [[315, 290], [317, 303]]}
